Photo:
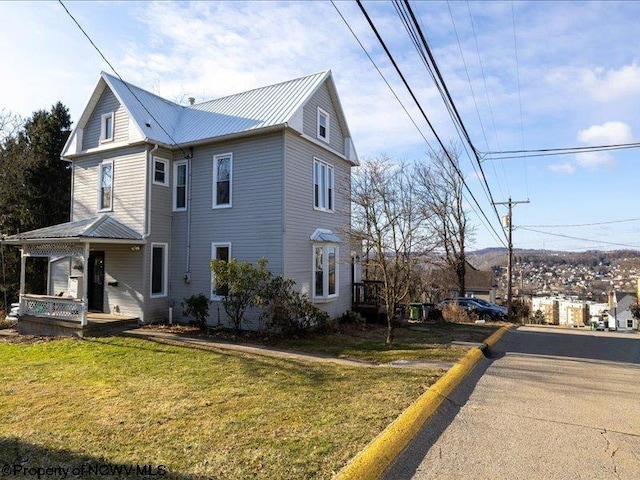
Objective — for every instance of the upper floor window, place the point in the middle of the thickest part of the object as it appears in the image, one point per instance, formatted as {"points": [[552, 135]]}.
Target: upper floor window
{"points": [[219, 251], [180, 185], [105, 186], [106, 127], [159, 268], [322, 185], [324, 123], [222, 180], [160, 171]]}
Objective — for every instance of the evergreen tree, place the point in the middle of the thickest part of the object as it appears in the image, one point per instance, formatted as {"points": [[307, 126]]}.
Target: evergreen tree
{"points": [[35, 186]]}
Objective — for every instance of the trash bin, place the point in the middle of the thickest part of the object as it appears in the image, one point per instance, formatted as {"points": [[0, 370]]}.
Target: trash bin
{"points": [[415, 311]]}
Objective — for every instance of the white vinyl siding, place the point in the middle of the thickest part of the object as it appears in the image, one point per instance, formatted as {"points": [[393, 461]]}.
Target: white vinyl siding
{"points": [[219, 251], [159, 269], [180, 185], [105, 187], [324, 125], [323, 186], [160, 171], [325, 271], [222, 180]]}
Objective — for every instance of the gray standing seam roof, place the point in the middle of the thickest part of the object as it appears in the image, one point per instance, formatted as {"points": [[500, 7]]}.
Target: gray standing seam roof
{"points": [[101, 227], [259, 108]]}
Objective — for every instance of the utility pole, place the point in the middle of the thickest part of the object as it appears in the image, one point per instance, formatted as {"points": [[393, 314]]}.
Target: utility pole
{"points": [[509, 225]]}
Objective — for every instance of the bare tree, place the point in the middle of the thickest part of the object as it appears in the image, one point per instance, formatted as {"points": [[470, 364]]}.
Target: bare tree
{"points": [[387, 213], [440, 188]]}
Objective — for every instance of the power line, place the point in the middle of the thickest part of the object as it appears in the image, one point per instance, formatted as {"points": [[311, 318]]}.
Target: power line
{"points": [[448, 100], [382, 76], [515, 48], [545, 152], [424, 115], [581, 224], [581, 239], [118, 75]]}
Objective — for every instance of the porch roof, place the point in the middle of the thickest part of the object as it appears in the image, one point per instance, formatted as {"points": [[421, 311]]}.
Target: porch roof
{"points": [[99, 228]]}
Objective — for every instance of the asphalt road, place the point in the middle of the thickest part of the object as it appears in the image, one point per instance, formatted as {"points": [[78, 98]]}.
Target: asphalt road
{"points": [[546, 404]]}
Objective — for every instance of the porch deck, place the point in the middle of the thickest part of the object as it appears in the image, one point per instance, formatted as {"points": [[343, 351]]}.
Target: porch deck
{"points": [[98, 324]]}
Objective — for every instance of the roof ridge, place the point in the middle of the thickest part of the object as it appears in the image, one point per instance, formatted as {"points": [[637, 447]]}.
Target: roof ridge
{"points": [[173, 104], [245, 92]]}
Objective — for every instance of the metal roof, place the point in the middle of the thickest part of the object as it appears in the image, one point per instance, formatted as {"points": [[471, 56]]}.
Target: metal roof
{"points": [[94, 228], [262, 107]]}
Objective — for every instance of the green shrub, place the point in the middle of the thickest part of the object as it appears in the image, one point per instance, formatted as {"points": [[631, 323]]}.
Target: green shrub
{"points": [[197, 307], [287, 311]]}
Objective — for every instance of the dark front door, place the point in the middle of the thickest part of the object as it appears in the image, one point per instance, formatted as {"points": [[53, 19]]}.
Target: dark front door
{"points": [[95, 277]]}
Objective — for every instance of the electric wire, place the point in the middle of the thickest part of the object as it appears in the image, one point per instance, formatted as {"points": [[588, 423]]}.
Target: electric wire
{"points": [[515, 49], [581, 239], [126, 84], [546, 152], [449, 100], [583, 224], [382, 75], [424, 115]]}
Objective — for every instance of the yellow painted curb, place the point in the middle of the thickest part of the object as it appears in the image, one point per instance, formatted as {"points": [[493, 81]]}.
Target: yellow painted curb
{"points": [[371, 462]]}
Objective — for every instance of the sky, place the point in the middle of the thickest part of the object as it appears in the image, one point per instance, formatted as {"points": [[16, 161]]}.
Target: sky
{"points": [[523, 76]]}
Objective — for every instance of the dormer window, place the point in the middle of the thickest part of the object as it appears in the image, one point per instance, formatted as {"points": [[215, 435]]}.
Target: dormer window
{"points": [[106, 127], [324, 122]]}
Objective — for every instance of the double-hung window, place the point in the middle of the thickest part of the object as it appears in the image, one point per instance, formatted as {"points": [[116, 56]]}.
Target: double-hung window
{"points": [[222, 180], [180, 185], [105, 187], [325, 272], [106, 127], [159, 269], [160, 171], [324, 123], [219, 251], [323, 187]]}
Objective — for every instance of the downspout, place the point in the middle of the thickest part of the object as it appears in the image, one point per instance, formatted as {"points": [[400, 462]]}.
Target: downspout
{"points": [[150, 153], [187, 273]]}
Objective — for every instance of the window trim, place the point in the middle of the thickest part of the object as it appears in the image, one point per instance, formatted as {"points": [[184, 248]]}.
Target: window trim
{"points": [[214, 189], [326, 296], [165, 270], [327, 127], [101, 207], [166, 171], [327, 185], [103, 129], [212, 293], [176, 165]]}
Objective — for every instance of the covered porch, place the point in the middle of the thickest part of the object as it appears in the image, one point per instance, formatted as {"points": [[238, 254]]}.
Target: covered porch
{"points": [[78, 298]]}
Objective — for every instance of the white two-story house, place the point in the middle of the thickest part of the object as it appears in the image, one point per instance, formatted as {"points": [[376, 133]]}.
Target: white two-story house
{"points": [[160, 189]]}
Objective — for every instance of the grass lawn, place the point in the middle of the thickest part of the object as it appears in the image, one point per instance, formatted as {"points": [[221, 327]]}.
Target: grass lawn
{"points": [[201, 414], [418, 341]]}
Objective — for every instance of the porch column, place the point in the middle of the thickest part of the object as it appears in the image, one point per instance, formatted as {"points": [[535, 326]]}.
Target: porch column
{"points": [[85, 289], [23, 267]]}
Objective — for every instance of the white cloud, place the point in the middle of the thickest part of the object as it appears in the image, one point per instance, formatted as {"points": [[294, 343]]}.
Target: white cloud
{"points": [[593, 160], [565, 168], [609, 133], [606, 85]]}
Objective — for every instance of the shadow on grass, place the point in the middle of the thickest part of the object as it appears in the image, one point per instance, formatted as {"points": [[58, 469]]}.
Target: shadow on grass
{"points": [[19, 459]]}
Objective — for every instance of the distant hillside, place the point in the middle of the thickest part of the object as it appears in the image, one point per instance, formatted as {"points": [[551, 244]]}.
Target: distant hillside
{"points": [[488, 258]]}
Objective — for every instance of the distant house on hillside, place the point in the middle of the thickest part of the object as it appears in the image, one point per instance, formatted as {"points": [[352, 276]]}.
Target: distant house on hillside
{"points": [[161, 189], [619, 316]]}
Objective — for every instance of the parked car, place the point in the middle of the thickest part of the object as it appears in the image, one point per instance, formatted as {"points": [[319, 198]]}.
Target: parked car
{"points": [[501, 308], [484, 312]]}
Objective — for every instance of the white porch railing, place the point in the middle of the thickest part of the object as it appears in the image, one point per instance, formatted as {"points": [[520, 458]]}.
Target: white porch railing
{"points": [[53, 307]]}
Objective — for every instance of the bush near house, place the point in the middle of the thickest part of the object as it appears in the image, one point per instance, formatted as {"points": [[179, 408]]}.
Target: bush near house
{"points": [[197, 307]]}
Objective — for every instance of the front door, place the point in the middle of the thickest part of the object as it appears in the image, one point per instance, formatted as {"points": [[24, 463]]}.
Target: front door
{"points": [[95, 277]]}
